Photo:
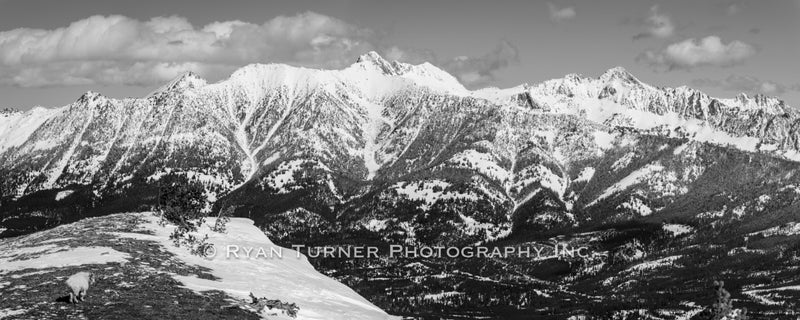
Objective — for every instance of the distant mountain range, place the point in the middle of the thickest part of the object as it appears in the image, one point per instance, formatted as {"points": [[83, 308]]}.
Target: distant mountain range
{"points": [[359, 121], [398, 153]]}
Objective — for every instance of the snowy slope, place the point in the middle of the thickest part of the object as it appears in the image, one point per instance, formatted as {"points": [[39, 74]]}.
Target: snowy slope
{"points": [[17, 127], [120, 246], [289, 278]]}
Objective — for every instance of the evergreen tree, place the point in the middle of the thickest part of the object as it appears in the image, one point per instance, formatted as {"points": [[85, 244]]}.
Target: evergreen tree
{"points": [[181, 202]]}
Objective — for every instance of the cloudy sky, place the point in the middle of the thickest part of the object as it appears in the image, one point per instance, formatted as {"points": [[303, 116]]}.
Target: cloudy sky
{"points": [[52, 51]]}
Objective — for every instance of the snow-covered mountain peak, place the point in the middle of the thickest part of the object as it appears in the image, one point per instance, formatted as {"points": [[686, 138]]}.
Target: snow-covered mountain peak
{"points": [[374, 59], [371, 56], [90, 98], [187, 80], [424, 74], [620, 74], [89, 95], [184, 81]]}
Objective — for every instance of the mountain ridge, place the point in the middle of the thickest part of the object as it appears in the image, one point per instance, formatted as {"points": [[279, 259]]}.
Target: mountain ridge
{"points": [[363, 99], [390, 153], [607, 79]]}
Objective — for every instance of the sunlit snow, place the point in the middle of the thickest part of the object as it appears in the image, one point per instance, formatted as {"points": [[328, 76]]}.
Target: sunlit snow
{"points": [[288, 278]]}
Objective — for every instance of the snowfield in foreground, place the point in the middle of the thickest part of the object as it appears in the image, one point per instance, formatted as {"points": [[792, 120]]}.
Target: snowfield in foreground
{"points": [[143, 275], [288, 278], [52, 256]]}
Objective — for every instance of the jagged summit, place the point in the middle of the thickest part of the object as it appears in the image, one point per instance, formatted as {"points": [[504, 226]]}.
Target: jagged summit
{"points": [[619, 73], [618, 70], [424, 74], [89, 96], [372, 58], [186, 80]]}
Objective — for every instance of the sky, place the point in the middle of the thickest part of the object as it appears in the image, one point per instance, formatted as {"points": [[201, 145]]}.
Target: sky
{"points": [[53, 51]]}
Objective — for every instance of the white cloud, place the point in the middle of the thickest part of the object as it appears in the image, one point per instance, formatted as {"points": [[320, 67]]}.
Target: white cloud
{"points": [[105, 50], [560, 14], [692, 53], [480, 71], [120, 50], [410, 55], [733, 8], [473, 72], [658, 25], [748, 84]]}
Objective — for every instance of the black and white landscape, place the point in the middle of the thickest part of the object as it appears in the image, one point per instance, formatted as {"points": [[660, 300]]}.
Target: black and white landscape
{"points": [[668, 189]]}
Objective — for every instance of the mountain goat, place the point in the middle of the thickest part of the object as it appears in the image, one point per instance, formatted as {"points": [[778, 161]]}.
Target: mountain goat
{"points": [[78, 285]]}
